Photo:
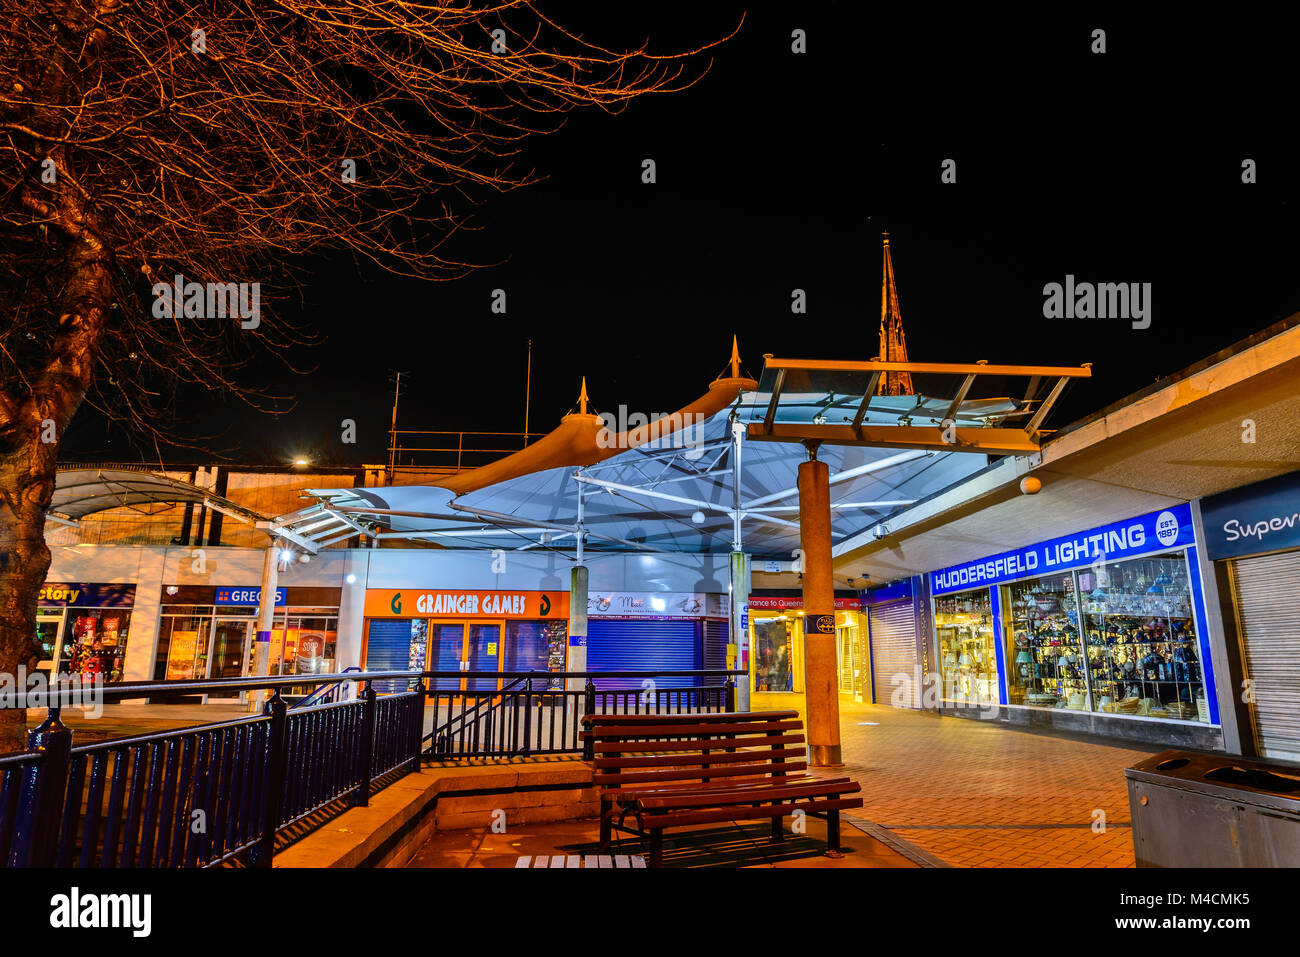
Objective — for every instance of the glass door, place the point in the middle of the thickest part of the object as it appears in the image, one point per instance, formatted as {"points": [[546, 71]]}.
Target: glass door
{"points": [[483, 652], [446, 652], [228, 657], [48, 627]]}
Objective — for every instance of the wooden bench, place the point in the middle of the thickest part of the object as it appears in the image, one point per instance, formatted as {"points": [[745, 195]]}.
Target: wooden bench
{"points": [[678, 770]]}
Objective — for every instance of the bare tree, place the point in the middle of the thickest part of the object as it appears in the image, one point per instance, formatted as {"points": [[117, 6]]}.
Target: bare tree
{"points": [[217, 140]]}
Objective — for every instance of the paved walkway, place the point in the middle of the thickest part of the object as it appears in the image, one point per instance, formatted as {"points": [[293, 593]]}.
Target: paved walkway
{"points": [[570, 843], [977, 794]]}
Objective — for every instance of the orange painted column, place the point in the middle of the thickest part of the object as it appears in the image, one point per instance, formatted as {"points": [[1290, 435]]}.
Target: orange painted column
{"points": [[820, 684]]}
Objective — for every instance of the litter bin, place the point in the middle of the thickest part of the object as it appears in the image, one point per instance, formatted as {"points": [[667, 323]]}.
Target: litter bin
{"points": [[1205, 810]]}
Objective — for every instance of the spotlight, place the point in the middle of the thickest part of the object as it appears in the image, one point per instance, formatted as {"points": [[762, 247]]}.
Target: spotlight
{"points": [[286, 556], [350, 578]]}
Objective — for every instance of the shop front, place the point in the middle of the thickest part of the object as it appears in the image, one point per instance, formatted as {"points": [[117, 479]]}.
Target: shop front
{"points": [[1252, 535], [776, 640], [449, 630], [208, 632], [83, 627], [655, 631], [895, 653], [1101, 631]]}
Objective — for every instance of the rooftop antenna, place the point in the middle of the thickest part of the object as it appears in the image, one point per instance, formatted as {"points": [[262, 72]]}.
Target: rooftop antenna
{"points": [[582, 398], [735, 357], [528, 390], [392, 432]]}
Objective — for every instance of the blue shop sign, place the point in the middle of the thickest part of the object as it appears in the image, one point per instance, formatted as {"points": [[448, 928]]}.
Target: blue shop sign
{"points": [[1153, 532], [248, 596], [891, 592], [1263, 517]]}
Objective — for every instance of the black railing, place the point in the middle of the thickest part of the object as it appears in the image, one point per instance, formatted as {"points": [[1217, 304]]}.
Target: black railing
{"points": [[527, 715], [220, 794]]}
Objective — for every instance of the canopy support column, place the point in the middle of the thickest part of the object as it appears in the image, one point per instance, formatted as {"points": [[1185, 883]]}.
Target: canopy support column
{"points": [[821, 686], [738, 628]]}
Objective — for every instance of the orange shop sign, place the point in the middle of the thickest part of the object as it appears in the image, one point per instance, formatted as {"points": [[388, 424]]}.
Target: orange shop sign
{"points": [[418, 603]]}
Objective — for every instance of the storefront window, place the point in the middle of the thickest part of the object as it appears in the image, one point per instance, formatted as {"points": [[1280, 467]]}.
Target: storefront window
{"points": [[1143, 654], [773, 654], [182, 648], [303, 644], [967, 656], [1046, 665], [94, 642], [535, 646]]}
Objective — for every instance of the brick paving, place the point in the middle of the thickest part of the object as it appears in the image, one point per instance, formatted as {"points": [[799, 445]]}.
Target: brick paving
{"points": [[977, 794]]}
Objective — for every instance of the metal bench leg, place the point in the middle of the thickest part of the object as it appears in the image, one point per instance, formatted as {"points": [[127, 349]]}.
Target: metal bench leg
{"points": [[657, 847], [778, 829], [606, 824], [833, 834]]}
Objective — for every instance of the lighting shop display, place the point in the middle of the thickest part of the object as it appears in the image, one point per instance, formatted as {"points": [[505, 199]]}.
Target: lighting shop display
{"points": [[1142, 648], [1044, 642], [967, 656]]}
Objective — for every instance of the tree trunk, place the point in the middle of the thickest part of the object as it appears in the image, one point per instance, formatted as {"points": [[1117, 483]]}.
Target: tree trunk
{"points": [[26, 484], [28, 462]]}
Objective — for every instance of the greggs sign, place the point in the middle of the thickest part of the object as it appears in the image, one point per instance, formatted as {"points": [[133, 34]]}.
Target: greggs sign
{"points": [[415, 603]]}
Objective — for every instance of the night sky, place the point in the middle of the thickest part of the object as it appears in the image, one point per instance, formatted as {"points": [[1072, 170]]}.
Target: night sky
{"points": [[779, 171]]}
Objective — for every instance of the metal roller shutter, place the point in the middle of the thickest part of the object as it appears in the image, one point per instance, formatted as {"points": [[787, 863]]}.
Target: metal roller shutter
{"points": [[893, 650], [1265, 590], [715, 648], [388, 648], [627, 645]]}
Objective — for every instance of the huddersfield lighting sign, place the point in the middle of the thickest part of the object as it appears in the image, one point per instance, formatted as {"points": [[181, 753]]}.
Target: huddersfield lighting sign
{"points": [[1153, 532]]}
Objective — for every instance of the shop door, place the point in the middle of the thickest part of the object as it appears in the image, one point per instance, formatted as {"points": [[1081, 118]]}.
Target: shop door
{"points": [[893, 655], [483, 652], [48, 628], [465, 646], [847, 648], [1264, 589], [228, 658]]}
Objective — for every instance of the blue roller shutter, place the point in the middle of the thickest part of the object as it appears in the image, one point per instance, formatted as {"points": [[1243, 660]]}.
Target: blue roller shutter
{"points": [[388, 648], [715, 648], [629, 645]]}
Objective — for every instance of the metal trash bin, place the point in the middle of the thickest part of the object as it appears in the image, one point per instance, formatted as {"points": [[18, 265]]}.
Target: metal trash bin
{"points": [[1206, 810]]}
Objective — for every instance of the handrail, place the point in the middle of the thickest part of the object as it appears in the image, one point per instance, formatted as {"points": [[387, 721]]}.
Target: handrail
{"points": [[465, 715], [325, 691], [144, 689]]}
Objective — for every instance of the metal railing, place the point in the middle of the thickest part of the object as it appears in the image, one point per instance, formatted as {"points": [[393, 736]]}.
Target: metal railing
{"points": [[326, 693], [450, 449], [528, 716], [220, 794]]}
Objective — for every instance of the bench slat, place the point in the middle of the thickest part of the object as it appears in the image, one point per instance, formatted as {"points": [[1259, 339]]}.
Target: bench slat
{"points": [[715, 798], [616, 779], [742, 812], [687, 730], [681, 760], [706, 718], [731, 783], [694, 744]]}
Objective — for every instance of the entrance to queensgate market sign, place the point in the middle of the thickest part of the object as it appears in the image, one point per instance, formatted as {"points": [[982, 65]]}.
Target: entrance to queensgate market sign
{"points": [[1102, 631]]}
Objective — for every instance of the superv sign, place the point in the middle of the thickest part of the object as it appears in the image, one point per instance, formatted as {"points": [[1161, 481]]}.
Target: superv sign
{"points": [[1152, 532]]}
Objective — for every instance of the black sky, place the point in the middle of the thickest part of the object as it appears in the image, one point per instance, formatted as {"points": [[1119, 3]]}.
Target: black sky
{"points": [[779, 171]]}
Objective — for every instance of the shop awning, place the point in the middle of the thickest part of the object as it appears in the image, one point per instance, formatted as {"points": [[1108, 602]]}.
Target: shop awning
{"points": [[82, 492]]}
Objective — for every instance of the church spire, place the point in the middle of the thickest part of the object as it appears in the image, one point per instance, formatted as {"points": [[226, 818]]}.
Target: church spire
{"points": [[893, 347]]}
